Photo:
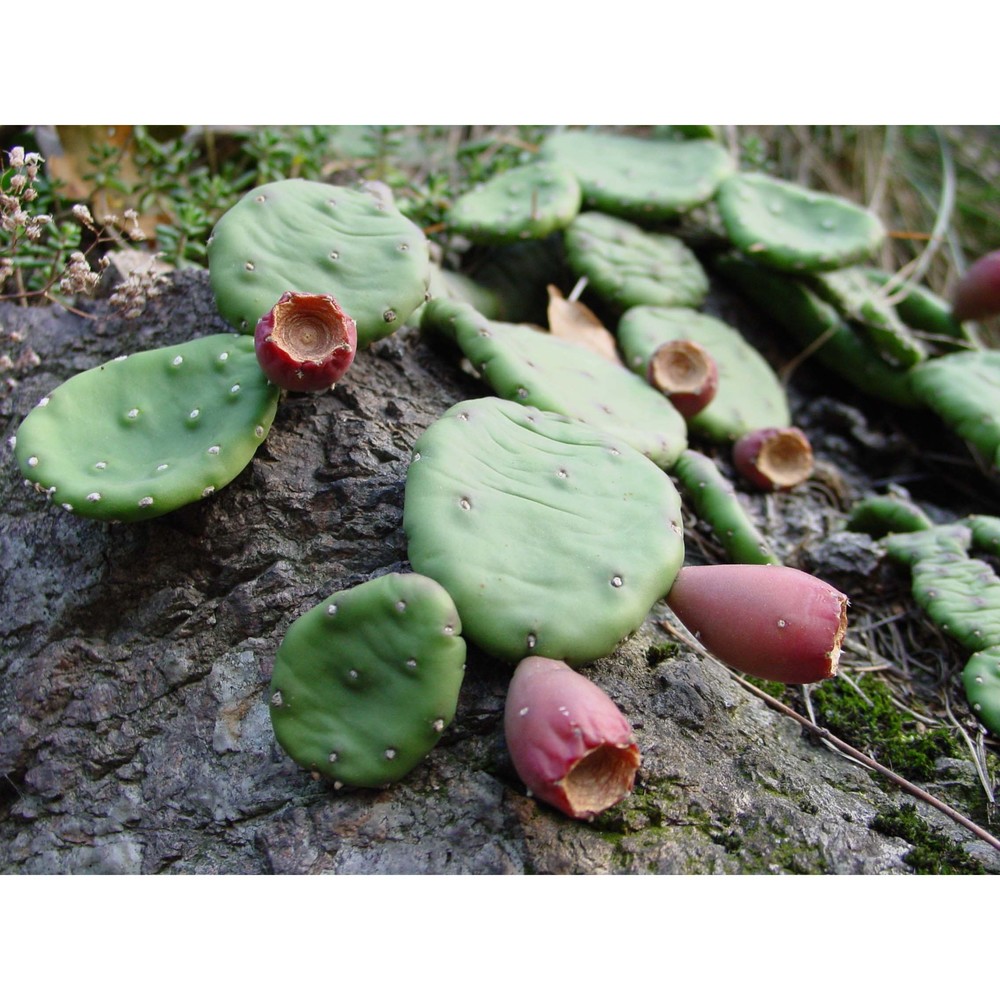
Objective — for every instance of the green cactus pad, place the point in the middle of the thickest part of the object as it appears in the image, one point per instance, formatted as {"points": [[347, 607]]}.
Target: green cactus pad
{"points": [[920, 309], [981, 680], [365, 682], [789, 227], [960, 594], [143, 435], [714, 500], [877, 516], [525, 203], [859, 298], [552, 538], [964, 390], [749, 396], [816, 325], [306, 236], [539, 370], [641, 178], [629, 267]]}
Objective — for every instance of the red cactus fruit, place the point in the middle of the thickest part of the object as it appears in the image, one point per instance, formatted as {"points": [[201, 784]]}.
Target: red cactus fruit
{"points": [[774, 458], [774, 622], [977, 294], [569, 742], [686, 374], [306, 342]]}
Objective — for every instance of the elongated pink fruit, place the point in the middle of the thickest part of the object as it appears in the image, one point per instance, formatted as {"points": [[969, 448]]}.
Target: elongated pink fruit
{"points": [[686, 374], [568, 740], [306, 342], [774, 622], [977, 294], [774, 458]]}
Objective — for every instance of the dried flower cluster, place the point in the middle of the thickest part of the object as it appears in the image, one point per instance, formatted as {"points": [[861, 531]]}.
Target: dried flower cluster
{"points": [[16, 357], [130, 296]]}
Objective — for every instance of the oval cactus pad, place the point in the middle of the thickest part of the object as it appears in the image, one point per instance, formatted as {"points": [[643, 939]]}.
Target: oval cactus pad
{"points": [[641, 178], [143, 435], [365, 682], [537, 369], [749, 395], [553, 538], [525, 203], [306, 236], [630, 267], [791, 228]]}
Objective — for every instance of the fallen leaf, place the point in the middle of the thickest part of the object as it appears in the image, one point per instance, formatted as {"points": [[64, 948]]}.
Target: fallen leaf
{"points": [[574, 322]]}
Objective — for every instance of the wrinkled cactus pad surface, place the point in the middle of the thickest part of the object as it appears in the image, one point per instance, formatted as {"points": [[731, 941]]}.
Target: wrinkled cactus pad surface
{"points": [[524, 203], [748, 396], [365, 682], [791, 228], [142, 435], [552, 538], [628, 266], [964, 390], [307, 236], [537, 369], [641, 178]]}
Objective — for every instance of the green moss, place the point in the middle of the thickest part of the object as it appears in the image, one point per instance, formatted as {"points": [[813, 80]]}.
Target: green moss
{"points": [[932, 853], [870, 722]]}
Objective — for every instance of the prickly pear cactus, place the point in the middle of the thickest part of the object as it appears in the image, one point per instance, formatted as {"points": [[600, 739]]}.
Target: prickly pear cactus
{"points": [[641, 178], [525, 203], [859, 298], [964, 390], [749, 395], [815, 324], [789, 227], [552, 538], [630, 267], [540, 370], [143, 435], [920, 309], [306, 236], [365, 682], [714, 500]]}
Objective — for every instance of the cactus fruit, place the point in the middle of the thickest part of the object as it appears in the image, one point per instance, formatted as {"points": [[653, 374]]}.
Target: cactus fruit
{"points": [[365, 682], [963, 389], [749, 395], [643, 179], [791, 228], [568, 741], [817, 325], [977, 294], [524, 203], [774, 458], [553, 538], [773, 622], [536, 369], [306, 342], [686, 374], [629, 267], [325, 240], [143, 435], [715, 501]]}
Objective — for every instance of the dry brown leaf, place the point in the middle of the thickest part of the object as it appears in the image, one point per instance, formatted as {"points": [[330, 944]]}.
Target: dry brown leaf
{"points": [[574, 322]]}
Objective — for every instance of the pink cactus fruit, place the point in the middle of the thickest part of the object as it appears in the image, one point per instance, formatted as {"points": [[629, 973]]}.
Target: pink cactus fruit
{"points": [[977, 295], [568, 740], [774, 458], [306, 342], [774, 622], [686, 374]]}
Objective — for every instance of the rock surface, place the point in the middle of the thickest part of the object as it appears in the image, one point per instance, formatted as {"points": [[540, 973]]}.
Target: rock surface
{"points": [[134, 726]]}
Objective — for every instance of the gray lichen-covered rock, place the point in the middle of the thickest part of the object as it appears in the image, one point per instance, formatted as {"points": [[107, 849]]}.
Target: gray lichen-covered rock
{"points": [[134, 728]]}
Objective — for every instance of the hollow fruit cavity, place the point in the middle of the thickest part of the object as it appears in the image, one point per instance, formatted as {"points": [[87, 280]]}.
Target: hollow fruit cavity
{"points": [[600, 779], [686, 373], [774, 458], [306, 342]]}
